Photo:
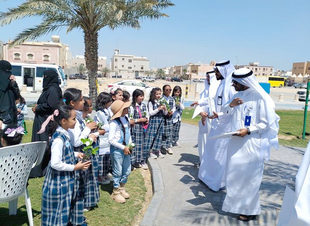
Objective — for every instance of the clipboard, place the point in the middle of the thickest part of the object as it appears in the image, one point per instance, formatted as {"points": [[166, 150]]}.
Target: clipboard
{"points": [[224, 135]]}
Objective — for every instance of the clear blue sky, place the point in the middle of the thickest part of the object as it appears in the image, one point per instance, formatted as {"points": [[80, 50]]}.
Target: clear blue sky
{"points": [[272, 32]]}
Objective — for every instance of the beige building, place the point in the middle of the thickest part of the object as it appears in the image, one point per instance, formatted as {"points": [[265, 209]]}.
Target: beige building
{"points": [[129, 66], [258, 70], [1, 50], [197, 70], [80, 60], [53, 52], [302, 68]]}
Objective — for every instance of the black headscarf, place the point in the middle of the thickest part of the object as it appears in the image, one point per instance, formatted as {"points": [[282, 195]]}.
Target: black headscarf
{"points": [[5, 73], [50, 78]]}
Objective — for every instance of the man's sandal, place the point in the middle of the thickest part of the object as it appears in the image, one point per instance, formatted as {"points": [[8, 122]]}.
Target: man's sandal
{"points": [[246, 217]]}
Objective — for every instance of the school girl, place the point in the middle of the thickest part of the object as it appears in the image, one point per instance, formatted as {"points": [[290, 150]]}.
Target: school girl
{"points": [[177, 115], [120, 140], [116, 94], [167, 134], [11, 135], [58, 191], [92, 192], [138, 115], [103, 116], [73, 97], [154, 133]]}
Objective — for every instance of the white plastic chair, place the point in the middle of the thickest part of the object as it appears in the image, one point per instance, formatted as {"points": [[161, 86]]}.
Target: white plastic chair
{"points": [[16, 163]]}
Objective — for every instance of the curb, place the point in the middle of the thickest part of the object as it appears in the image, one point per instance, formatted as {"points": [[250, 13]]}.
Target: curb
{"points": [[158, 193]]}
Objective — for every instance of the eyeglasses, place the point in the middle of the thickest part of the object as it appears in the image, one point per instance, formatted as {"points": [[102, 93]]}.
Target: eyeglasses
{"points": [[168, 89], [235, 82]]}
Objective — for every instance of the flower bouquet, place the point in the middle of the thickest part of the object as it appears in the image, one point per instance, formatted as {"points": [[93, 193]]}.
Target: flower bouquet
{"points": [[100, 125], [88, 120], [131, 146], [88, 150], [162, 101]]}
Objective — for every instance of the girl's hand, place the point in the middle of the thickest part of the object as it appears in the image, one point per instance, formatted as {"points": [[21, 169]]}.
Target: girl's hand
{"points": [[132, 122], [91, 125], [101, 131], [143, 120], [170, 113], [93, 137], [126, 151], [161, 107], [82, 165], [80, 155]]}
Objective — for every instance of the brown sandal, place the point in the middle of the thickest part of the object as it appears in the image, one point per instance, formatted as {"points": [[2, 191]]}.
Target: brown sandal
{"points": [[246, 217]]}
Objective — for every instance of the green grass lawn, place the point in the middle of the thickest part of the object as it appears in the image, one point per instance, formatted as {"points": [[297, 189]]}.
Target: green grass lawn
{"points": [[291, 126], [107, 213]]}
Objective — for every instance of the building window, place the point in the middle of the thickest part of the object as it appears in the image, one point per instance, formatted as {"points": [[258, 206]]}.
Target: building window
{"points": [[130, 60], [115, 60], [115, 66], [99, 65], [129, 67], [30, 56], [46, 58], [123, 58], [16, 56]]}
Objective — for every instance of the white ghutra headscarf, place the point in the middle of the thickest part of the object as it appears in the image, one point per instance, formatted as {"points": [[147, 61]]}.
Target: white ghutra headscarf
{"points": [[226, 69]]}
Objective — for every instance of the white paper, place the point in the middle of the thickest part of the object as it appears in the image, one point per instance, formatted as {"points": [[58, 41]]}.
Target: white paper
{"points": [[224, 135], [197, 111]]}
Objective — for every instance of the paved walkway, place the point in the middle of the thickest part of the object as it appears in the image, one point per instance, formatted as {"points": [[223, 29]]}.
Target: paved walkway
{"points": [[180, 199]]}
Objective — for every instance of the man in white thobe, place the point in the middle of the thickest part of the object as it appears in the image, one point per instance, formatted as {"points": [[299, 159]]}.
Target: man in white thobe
{"points": [[213, 163], [253, 117], [205, 97]]}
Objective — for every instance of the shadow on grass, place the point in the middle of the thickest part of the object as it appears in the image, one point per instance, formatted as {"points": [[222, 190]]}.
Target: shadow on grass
{"points": [[17, 220]]}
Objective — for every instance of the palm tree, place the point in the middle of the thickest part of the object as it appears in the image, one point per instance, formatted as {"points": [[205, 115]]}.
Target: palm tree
{"points": [[88, 15], [160, 73], [105, 71]]}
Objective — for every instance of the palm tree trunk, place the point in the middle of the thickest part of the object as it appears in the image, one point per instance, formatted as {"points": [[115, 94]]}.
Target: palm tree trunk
{"points": [[91, 60]]}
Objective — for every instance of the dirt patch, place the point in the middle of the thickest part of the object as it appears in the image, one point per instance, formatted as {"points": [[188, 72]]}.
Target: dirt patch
{"points": [[286, 137], [148, 196]]}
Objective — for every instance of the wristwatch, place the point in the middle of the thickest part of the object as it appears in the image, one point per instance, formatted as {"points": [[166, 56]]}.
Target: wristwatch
{"points": [[249, 132]]}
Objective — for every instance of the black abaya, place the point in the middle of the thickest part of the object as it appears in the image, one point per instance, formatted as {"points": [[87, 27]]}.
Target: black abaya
{"points": [[47, 103]]}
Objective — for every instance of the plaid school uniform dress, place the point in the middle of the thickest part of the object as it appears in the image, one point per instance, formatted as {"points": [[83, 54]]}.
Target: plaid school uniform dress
{"points": [[104, 162], [168, 125], [58, 188], [153, 138], [176, 118], [77, 217], [90, 177], [138, 134]]}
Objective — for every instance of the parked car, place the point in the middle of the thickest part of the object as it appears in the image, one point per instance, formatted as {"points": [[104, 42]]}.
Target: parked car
{"points": [[131, 85], [72, 76], [300, 86], [147, 79], [81, 76], [168, 79], [138, 77], [113, 76], [119, 76], [176, 79], [196, 80], [302, 95]]}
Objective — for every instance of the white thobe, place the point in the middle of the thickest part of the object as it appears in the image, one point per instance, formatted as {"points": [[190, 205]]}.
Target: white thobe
{"points": [[213, 164], [245, 158]]}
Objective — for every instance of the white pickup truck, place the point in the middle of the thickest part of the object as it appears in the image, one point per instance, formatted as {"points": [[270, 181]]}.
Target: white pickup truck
{"points": [[147, 79]]}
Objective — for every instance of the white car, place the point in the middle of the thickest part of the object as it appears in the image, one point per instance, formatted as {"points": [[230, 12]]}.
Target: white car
{"points": [[132, 85], [147, 79]]}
